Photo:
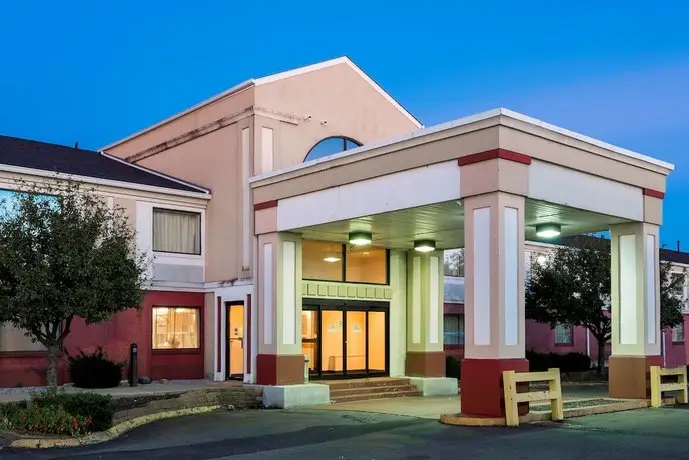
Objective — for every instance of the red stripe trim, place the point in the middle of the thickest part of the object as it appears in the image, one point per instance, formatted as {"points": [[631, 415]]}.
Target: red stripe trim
{"points": [[247, 334], [654, 193], [265, 205], [493, 154], [219, 341]]}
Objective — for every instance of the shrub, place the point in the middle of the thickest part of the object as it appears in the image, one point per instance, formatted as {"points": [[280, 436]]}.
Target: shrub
{"points": [[94, 370], [98, 408], [576, 362], [43, 419], [570, 362], [453, 367]]}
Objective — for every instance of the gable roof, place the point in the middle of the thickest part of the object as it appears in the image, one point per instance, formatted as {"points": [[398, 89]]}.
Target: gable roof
{"points": [[270, 79], [54, 158]]}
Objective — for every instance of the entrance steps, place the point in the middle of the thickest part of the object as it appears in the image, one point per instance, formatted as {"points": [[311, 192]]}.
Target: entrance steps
{"points": [[371, 388]]}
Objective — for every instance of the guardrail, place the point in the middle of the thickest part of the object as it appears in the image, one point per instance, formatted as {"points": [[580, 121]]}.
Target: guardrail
{"points": [[658, 387], [511, 379]]}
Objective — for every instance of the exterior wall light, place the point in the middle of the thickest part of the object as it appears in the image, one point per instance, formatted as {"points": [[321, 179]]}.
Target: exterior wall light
{"points": [[548, 230], [331, 259], [360, 238], [424, 245]]}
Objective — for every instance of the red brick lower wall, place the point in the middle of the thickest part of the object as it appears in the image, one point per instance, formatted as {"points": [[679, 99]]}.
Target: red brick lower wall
{"points": [[115, 336]]}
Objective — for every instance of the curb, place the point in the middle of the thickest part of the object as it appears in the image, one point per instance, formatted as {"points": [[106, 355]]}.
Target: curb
{"points": [[109, 434], [536, 417]]}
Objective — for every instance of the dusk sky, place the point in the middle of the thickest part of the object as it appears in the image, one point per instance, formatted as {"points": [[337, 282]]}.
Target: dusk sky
{"points": [[94, 72]]}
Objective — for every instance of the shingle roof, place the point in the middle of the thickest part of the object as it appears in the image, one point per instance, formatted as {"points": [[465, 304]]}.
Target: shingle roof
{"points": [[74, 161]]}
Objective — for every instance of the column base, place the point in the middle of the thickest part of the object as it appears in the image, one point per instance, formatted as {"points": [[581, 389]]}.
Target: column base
{"points": [[290, 396], [279, 369], [436, 386], [481, 391], [629, 376], [425, 364]]}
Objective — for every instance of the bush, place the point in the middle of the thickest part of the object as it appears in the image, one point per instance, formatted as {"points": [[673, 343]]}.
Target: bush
{"points": [[570, 362], [453, 367], [94, 370], [99, 409], [43, 419]]}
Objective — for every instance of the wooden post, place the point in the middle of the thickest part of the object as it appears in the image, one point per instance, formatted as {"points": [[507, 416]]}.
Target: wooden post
{"points": [[510, 388], [556, 404], [656, 392]]}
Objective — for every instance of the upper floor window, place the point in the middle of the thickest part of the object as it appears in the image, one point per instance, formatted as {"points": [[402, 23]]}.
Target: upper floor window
{"points": [[176, 231], [453, 330], [678, 333], [564, 335], [330, 146]]}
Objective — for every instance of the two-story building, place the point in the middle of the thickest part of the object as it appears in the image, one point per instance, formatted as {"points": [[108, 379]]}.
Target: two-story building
{"points": [[331, 207]]}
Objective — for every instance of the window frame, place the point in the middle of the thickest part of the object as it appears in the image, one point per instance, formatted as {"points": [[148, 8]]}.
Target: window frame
{"points": [[674, 337], [460, 318], [343, 275], [177, 211], [199, 315], [344, 139], [563, 344]]}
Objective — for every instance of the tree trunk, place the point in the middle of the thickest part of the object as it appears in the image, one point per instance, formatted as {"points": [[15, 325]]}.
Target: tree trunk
{"points": [[601, 356], [51, 372]]}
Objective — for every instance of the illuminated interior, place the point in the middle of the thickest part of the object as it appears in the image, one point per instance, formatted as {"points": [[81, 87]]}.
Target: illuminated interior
{"points": [[175, 328]]}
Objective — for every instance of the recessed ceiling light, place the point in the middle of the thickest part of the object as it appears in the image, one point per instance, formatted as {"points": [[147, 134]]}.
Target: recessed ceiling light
{"points": [[424, 245], [548, 230], [331, 259]]}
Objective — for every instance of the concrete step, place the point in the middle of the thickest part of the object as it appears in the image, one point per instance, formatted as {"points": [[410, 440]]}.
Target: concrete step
{"points": [[375, 395], [378, 389], [365, 383]]}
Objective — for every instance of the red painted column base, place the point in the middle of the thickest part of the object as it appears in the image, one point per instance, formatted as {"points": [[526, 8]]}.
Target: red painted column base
{"points": [[629, 376], [482, 393], [279, 369]]}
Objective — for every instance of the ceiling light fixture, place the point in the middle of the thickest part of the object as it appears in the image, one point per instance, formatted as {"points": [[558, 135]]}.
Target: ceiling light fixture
{"points": [[360, 238], [331, 259], [424, 245], [548, 230]]}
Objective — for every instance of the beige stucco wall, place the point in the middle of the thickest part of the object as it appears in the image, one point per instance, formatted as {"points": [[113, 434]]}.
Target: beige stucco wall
{"points": [[338, 95]]}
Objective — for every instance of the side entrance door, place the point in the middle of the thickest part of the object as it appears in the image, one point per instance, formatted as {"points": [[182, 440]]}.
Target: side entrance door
{"points": [[234, 356]]}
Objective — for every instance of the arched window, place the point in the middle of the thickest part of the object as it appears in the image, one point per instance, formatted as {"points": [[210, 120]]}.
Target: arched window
{"points": [[331, 145]]}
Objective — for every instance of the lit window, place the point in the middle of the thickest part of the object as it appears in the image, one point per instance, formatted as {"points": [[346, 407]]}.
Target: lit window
{"points": [[331, 146], [176, 328], [453, 330], [326, 261], [678, 333], [564, 335], [176, 231]]}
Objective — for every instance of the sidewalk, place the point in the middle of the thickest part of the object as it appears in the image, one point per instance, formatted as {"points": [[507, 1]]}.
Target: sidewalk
{"points": [[123, 391]]}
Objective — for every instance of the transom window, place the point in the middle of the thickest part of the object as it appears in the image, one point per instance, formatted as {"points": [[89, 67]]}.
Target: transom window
{"points": [[176, 231], [326, 261], [330, 146]]}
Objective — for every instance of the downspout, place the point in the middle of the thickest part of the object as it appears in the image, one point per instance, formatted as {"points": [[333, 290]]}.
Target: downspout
{"points": [[588, 343], [663, 351]]}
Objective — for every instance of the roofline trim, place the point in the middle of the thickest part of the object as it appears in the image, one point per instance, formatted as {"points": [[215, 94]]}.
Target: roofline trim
{"points": [[105, 182], [461, 122], [273, 78], [155, 173]]}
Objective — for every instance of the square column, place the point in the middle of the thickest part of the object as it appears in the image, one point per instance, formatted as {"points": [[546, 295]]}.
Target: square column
{"points": [[494, 308], [635, 315], [425, 289], [280, 360]]}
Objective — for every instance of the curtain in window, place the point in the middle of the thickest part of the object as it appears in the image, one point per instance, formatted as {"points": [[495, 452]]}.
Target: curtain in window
{"points": [[175, 328], [563, 335], [175, 231]]}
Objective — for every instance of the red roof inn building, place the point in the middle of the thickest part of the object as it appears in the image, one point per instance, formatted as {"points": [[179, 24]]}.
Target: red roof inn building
{"points": [[312, 224]]}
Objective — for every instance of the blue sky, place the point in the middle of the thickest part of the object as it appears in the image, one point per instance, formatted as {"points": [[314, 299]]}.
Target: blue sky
{"points": [[94, 72]]}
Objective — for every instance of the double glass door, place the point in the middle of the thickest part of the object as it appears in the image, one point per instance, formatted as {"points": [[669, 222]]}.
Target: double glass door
{"points": [[345, 340]]}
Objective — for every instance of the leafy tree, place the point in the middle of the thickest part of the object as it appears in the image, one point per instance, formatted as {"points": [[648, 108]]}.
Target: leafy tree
{"points": [[572, 287], [64, 253]]}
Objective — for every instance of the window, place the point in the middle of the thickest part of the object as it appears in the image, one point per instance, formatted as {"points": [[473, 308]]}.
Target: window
{"points": [[326, 261], [564, 335], [453, 330], [678, 333], [176, 328], [176, 231], [454, 262], [330, 146]]}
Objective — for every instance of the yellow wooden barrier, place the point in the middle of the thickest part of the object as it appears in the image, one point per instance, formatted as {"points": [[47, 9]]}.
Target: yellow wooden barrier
{"points": [[657, 385], [512, 398]]}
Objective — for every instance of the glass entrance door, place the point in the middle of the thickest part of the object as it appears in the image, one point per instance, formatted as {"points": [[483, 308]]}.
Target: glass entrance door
{"points": [[345, 340], [234, 363]]}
